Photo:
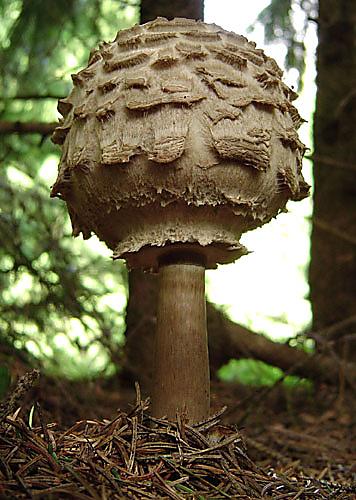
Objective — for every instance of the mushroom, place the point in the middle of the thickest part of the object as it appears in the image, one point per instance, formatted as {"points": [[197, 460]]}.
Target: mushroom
{"points": [[177, 138]]}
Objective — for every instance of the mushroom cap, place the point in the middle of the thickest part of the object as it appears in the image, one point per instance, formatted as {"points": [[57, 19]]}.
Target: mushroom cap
{"points": [[178, 135]]}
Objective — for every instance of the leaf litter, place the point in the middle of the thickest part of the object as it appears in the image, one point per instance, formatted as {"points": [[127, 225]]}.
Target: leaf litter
{"points": [[137, 456]]}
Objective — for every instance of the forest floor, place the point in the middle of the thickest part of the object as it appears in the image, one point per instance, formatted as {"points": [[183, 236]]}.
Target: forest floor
{"points": [[95, 440]]}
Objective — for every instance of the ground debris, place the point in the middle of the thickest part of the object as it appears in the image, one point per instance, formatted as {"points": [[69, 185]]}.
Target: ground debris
{"points": [[137, 456], [25, 383]]}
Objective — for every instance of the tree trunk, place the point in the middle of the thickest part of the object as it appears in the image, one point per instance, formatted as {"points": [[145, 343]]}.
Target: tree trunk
{"points": [[333, 254], [141, 320], [150, 9], [143, 288]]}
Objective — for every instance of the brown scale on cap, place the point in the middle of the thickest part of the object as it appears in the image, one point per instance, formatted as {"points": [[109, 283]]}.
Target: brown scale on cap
{"points": [[188, 136]]}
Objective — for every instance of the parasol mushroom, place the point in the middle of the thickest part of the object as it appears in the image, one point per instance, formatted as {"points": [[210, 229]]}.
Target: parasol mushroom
{"points": [[177, 138]]}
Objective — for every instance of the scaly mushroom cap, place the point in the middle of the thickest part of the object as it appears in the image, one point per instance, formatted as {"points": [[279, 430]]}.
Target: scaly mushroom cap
{"points": [[177, 135]]}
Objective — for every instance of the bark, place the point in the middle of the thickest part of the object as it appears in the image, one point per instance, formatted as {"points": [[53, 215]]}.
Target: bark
{"points": [[333, 254], [141, 320], [150, 9]]}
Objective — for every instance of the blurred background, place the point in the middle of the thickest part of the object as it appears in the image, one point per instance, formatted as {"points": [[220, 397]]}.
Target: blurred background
{"points": [[68, 309]]}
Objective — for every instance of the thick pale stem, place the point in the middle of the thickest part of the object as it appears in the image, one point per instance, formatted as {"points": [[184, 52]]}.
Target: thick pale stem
{"points": [[181, 369]]}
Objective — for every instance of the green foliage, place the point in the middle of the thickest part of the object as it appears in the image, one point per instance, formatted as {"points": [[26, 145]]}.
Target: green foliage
{"points": [[287, 21], [59, 298], [43, 42], [258, 373]]}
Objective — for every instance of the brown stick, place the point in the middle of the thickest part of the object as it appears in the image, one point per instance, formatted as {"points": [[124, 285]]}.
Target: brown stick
{"points": [[43, 128], [181, 364], [235, 341]]}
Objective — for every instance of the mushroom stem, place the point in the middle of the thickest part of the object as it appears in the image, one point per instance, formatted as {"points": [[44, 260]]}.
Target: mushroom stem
{"points": [[181, 369]]}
